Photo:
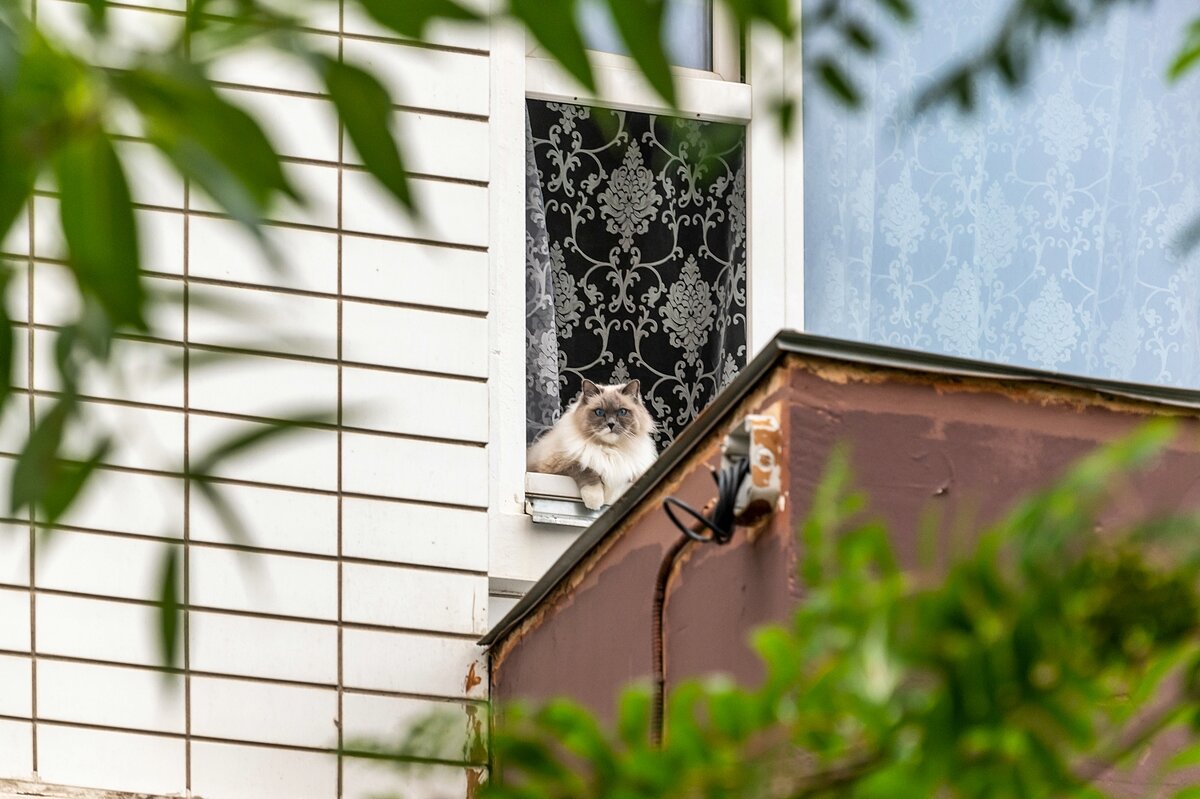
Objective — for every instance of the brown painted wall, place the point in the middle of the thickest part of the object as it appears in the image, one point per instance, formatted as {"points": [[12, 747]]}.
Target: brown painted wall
{"points": [[967, 448]]}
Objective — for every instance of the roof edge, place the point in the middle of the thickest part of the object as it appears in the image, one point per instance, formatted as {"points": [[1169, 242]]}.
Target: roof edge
{"points": [[787, 342]]}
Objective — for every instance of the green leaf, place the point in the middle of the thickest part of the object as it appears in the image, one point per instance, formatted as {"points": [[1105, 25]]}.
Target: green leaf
{"points": [[633, 715], [235, 528], [365, 108], [1008, 66], [68, 481], [256, 435], [169, 609], [6, 338], [1188, 57], [640, 23], [210, 140], [836, 81], [410, 17], [98, 223], [554, 26], [859, 36], [98, 13], [902, 9], [37, 461]]}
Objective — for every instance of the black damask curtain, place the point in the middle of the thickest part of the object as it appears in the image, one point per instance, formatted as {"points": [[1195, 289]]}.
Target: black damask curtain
{"points": [[635, 259]]}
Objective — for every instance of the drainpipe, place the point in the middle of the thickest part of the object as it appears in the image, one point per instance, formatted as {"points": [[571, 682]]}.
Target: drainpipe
{"points": [[748, 492]]}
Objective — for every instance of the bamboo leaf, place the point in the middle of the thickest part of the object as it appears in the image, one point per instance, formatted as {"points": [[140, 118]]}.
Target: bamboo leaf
{"points": [[836, 81], [68, 481], [902, 9], [36, 463], [640, 23], [859, 37], [256, 435], [6, 339], [1187, 58], [96, 210], [169, 609], [553, 25], [412, 17], [365, 108], [209, 140]]}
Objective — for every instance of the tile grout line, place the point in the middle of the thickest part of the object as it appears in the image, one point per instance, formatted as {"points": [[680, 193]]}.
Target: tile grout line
{"points": [[224, 546], [316, 425], [233, 612], [221, 676], [381, 38], [29, 351], [341, 670], [187, 487], [187, 500], [313, 227], [323, 492], [245, 742], [217, 349]]}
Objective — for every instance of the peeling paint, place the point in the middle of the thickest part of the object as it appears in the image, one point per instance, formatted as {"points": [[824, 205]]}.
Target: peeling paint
{"points": [[472, 679], [475, 779]]}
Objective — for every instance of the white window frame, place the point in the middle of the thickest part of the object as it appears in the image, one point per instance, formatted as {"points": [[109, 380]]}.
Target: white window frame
{"points": [[519, 549], [726, 60]]}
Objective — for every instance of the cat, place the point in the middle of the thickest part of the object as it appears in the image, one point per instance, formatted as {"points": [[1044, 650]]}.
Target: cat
{"points": [[603, 440]]}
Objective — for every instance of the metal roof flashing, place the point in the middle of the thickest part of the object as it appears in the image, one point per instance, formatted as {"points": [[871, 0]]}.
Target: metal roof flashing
{"points": [[849, 352]]}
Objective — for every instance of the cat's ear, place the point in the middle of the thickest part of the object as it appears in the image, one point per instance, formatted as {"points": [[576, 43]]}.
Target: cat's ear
{"points": [[632, 389], [590, 389]]}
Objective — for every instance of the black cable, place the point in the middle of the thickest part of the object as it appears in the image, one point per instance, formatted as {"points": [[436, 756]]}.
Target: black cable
{"points": [[729, 480]]}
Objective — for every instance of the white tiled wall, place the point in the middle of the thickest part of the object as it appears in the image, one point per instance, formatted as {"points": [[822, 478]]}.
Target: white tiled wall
{"points": [[355, 605]]}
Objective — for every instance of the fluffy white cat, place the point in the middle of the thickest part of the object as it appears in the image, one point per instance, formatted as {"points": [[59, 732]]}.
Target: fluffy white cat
{"points": [[603, 441]]}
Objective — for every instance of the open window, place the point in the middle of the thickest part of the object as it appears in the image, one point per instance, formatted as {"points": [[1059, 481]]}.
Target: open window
{"points": [[636, 236]]}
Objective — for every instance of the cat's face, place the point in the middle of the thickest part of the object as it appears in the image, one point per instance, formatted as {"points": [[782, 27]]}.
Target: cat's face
{"points": [[612, 414]]}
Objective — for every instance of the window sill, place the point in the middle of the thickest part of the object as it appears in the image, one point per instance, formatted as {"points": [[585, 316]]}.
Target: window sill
{"points": [[554, 499]]}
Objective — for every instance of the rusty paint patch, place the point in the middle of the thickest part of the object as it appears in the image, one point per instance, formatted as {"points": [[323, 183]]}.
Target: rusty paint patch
{"points": [[475, 778], [472, 679]]}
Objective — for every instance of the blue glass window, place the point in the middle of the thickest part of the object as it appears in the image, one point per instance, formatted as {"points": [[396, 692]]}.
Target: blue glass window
{"points": [[688, 31]]}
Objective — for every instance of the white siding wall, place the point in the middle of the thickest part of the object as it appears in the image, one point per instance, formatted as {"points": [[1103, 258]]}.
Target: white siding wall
{"points": [[357, 603]]}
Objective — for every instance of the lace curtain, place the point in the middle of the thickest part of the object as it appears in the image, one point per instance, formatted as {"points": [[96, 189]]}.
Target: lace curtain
{"points": [[635, 259], [1039, 230]]}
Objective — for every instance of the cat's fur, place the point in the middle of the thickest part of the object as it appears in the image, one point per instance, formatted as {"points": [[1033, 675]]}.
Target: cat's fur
{"points": [[603, 452]]}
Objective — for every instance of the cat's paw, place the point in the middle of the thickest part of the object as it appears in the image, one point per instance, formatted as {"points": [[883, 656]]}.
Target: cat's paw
{"points": [[613, 493], [593, 496]]}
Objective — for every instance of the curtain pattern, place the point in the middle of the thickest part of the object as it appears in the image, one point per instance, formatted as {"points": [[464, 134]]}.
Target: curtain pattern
{"points": [[645, 238], [1040, 229], [542, 399]]}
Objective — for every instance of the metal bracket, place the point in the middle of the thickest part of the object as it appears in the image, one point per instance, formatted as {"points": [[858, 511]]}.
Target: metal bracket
{"points": [[758, 439]]}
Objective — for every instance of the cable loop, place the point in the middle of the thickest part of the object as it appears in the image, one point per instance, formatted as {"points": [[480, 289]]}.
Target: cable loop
{"points": [[729, 480]]}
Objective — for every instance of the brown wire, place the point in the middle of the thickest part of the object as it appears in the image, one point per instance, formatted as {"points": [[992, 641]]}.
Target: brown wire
{"points": [[665, 570]]}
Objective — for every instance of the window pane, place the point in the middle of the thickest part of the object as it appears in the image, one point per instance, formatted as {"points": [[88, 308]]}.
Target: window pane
{"points": [[688, 31], [635, 259], [1041, 229]]}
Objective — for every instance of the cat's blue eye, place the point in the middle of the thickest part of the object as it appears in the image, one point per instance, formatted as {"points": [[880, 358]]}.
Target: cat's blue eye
{"points": [[622, 412], [599, 411]]}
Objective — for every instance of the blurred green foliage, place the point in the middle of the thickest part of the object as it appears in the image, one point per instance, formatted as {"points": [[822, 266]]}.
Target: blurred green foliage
{"points": [[1048, 652], [68, 103]]}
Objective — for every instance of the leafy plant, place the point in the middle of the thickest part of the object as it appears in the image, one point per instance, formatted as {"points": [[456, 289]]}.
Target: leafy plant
{"points": [[1028, 667], [69, 104]]}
